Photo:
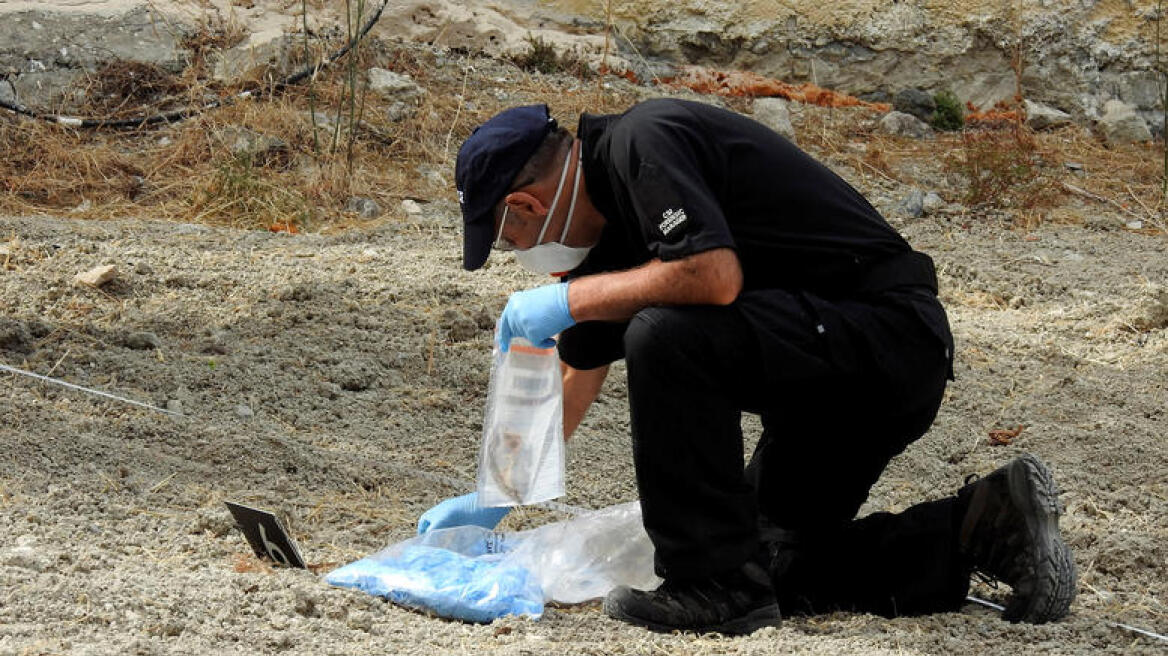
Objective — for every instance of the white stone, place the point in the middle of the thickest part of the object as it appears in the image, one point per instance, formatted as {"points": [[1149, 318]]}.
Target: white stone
{"points": [[97, 277], [900, 124], [1040, 116], [932, 203], [773, 113], [1120, 124], [410, 206], [393, 86]]}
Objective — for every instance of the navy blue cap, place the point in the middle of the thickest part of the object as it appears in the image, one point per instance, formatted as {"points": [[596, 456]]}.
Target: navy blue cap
{"points": [[488, 162]]}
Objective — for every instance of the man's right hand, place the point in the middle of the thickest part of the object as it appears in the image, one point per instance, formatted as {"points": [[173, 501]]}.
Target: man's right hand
{"points": [[460, 511]]}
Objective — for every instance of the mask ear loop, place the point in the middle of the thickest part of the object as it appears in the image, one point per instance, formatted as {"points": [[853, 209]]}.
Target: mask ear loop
{"points": [[502, 223], [575, 191], [555, 199]]}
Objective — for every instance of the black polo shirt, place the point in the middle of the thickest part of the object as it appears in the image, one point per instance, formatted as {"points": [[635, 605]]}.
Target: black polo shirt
{"points": [[674, 178]]}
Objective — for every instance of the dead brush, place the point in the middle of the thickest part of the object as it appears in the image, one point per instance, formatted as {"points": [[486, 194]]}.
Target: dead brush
{"points": [[186, 172], [45, 166], [1002, 168], [123, 88]]}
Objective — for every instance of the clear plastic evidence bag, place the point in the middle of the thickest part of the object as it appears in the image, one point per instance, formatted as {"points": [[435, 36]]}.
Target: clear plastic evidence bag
{"points": [[521, 458]]}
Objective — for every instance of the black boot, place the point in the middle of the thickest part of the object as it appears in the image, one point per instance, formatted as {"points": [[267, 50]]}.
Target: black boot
{"points": [[1010, 532], [734, 603]]}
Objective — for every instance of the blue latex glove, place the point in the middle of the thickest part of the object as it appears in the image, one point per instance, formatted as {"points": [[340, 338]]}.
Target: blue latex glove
{"points": [[461, 511], [536, 315]]}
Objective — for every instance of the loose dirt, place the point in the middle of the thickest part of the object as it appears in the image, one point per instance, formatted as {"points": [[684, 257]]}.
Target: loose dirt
{"points": [[314, 370]]}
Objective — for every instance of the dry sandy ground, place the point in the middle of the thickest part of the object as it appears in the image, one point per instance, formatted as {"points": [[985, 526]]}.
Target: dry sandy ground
{"points": [[362, 353]]}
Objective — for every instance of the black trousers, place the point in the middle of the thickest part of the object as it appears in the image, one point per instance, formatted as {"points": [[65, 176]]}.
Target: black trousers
{"points": [[841, 388]]}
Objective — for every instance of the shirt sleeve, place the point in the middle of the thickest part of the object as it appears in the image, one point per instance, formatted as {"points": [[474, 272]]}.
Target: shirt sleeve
{"points": [[593, 344], [660, 165]]}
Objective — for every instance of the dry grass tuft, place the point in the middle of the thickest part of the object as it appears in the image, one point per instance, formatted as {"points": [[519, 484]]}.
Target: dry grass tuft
{"points": [[122, 88], [1003, 168], [189, 172]]}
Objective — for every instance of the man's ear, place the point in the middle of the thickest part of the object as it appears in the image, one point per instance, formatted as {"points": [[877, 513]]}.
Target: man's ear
{"points": [[526, 205]]}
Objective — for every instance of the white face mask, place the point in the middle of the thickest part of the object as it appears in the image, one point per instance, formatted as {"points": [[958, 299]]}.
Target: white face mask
{"points": [[554, 257]]}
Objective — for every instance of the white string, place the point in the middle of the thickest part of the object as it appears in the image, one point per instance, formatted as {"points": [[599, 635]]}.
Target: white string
{"points": [[452, 481], [57, 381], [1136, 629]]}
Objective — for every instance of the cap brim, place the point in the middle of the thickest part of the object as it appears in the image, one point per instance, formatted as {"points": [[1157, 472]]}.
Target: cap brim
{"points": [[476, 241]]}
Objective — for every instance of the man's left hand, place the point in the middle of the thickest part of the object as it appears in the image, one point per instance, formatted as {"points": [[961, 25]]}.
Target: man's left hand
{"points": [[536, 315]]}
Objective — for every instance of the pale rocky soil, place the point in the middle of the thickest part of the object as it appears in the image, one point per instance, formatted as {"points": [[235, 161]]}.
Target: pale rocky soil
{"points": [[364, 352]]}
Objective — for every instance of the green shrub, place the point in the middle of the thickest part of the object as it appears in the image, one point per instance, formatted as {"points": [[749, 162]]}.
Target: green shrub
{"points": [[949, 115]]}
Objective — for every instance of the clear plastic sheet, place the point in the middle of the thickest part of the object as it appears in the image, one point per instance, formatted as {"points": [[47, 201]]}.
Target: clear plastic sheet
{"points": [[472, 574]]}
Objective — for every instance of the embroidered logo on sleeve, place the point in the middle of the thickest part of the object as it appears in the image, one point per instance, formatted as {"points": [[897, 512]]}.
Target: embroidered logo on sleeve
{"points": [[673, 219]]}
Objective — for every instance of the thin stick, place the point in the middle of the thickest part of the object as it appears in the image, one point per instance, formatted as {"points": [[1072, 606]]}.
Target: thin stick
{"points": [[1163, 95], [311, 80], [1138, 201], [57, 363], [457, 112], [1083, 192]]}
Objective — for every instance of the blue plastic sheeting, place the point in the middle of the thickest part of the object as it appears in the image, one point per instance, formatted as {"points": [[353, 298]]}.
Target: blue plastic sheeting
{"points": [[449, 584], [473, 574]]}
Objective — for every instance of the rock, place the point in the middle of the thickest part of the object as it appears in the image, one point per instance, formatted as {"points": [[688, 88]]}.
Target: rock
{"points": [[1149, 311], [143, 269], [8, 93], [900, 124], [265, 54], [399, 111], [245, 142], [243, 412], [411, 207], [25, 556], [1120, 124], [912, 205], [432, 175], [984, 89], [916, 103], [15, 336], [1040, 116], [932, 203], [459, 325], [97, 277], [142, 341], [393, 86], [1135, 225], [45, 52], [367, 208], [878, 96], [174, 405], [773, 113], [1073, 166]]}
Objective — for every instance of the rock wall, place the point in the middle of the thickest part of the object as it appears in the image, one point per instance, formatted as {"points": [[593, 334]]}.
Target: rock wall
{"points": [[1075, 54]]}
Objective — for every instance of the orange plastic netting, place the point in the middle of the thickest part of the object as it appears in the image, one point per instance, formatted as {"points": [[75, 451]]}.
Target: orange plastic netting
{"points": [[752, 85]]}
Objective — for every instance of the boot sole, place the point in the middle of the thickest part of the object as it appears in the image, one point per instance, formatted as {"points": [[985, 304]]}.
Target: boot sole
{"points": [[1033, 489], [749, 623]]}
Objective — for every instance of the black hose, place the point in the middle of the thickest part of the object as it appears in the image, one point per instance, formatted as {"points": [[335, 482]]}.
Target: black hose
{"points": [[187, 112]]}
